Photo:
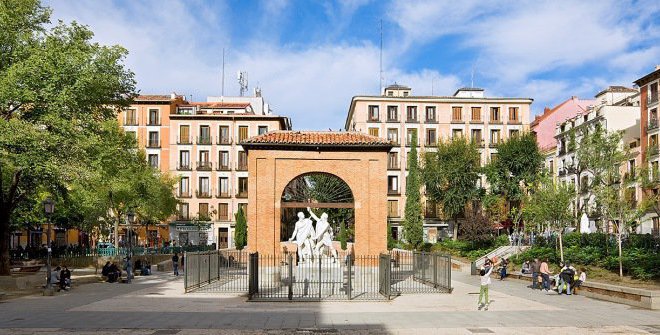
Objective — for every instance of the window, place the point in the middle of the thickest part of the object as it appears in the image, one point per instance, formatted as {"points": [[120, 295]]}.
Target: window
{"points": [[204, 189], [373, 113], [392, 185], [242, 133], [551, 167], [153, 117], [242, 161], [494, 136], [184, 134], [242, 187], [411, 113], [392, 113], [456, 133], [390, 94], [631, 168], [223, 160], [203, 212], [183, 211], [184, 160], [224, 135], [393, 160], [514, 133], [393, 135], [430, 114], [153, 140], [223, 187], [653, 93], [457, 113], [242, 206], [494, 114], [393, 208], [476, 138], [204, 156], [431, 138], [373, 131], [153, 160], [410, 134], [184, 187], [223, 211], [476, 113], [656, 226], [131, 117], [262, 130], [204, 135], [513, 114]]}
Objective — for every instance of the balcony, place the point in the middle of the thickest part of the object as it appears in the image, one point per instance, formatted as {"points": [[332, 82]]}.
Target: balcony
{"points": [[516, 121], [153, 123], [241, 166], [653, 149], [495, 121], [571, 170], [223, 167], [653, 123], [204, 166], [223, 194], [224, 140], [494, 144], [457, 120], [203, 194], [393, 192], [184, 140], [393, 166], [478, 142], [204, 140], [153, 144], [562, 172], [130, 122], [185, 194], [653, 98], [183, 166], [242, 194]]}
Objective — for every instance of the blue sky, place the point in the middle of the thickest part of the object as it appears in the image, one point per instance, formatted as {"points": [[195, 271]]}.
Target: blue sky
{"points": [[310, 57]]}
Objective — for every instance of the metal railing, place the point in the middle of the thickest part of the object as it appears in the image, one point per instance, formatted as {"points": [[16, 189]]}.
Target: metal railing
{"points": [[282, 277]]}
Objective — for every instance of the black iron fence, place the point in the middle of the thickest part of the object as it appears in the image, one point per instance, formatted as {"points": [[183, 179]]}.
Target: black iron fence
{"points": [[281, 277]]}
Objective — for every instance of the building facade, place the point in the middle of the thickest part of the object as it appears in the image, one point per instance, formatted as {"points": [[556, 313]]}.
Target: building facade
{"points": [[649, 107], [616, 109], [397, 114], [199, 142]]}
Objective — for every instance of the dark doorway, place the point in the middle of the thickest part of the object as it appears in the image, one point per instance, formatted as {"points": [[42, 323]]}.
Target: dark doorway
{"points": [[223, 238]]}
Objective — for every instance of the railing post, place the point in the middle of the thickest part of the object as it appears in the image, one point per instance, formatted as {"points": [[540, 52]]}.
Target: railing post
{"points": [[435, 270], [349, 269], [209, 273], [289, 262], [320, 279], [185, 274], [448, 257]]}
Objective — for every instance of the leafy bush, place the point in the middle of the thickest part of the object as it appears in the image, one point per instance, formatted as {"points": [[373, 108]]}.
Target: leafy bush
{"points": [[501, 241]]}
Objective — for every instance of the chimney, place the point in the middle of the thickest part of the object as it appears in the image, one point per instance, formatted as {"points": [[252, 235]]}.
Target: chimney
{"points": [[546, 110]]}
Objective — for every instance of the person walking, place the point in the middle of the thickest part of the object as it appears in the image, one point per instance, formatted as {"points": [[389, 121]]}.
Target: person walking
{"points": [[484, 278], [175, 263], [545, 274], [536, 269]]}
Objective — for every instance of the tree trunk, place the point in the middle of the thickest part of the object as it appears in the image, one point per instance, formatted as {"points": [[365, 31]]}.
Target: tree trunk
{"points": [[620, 253], [455, 237], [4, 242], [561, 246]]}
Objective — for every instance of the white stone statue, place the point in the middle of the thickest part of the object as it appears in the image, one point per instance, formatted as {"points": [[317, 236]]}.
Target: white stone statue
{"points": [[323, 235], [304, 235]]}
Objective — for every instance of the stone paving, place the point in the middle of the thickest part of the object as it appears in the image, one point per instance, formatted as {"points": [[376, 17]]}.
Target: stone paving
{"points": [[157, 305]]}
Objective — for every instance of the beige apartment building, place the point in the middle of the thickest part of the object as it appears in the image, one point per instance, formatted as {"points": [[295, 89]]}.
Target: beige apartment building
{"points": [[397, 113], [199, 142]]}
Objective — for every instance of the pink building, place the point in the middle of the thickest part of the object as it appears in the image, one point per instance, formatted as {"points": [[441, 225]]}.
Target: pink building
{"points": [[544, 125]]}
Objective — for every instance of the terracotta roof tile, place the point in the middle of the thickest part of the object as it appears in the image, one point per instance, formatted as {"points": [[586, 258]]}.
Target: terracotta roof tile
{"points": [[218, 104], [153, 97], [322, 138]]}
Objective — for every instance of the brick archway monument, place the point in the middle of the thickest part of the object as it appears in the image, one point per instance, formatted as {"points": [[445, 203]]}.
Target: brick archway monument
{"points": [[277, 158]]}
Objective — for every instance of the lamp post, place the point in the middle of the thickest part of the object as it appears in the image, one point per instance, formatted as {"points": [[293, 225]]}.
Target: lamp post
{"points": [[130, 217], [49, 207]]}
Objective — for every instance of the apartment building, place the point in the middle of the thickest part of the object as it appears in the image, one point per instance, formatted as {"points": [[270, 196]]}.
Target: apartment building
{"points": [[397, 113], [544, 127], [199, 142], [649, 107], [615, 109]]}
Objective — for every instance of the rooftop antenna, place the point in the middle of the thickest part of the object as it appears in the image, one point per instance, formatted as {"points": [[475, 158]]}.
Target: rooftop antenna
{"points": [[381, 56], [432, 82], [223, 72], [243, 81], [472, 77]]}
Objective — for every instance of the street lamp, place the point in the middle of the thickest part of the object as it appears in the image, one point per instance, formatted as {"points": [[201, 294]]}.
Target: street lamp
{"points": [[49, 208], [130, 217]]}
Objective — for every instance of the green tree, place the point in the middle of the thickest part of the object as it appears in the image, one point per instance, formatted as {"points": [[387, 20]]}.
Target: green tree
{"points": [[413, 230], [391, 243], [241, 229], [343, 236], [450, 176], [550, 206], [56, 86]]}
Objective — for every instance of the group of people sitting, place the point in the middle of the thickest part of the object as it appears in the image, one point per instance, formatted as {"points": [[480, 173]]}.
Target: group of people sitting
{"points": [[61, 277], [111, 271], [566, 280]]}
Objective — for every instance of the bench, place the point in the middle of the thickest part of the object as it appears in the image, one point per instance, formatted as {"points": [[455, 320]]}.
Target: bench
{"points": [[28, 268]]}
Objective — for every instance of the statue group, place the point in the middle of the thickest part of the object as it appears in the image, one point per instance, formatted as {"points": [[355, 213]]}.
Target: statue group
{"points": [[312, 242]]}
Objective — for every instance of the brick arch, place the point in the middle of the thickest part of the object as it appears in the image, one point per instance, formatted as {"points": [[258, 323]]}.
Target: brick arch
{"points": [[270, 171]]}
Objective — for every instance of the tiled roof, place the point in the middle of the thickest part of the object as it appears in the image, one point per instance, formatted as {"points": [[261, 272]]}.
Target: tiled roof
{"points": [[617, 89], [153, 97], [218, 104], [320, 138]]}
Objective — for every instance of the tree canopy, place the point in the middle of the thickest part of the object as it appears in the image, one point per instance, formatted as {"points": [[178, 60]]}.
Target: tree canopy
{"points": [[413, 224]]}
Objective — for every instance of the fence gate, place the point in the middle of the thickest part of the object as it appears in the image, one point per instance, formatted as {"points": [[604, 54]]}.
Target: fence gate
{"points": [[216, 271]]}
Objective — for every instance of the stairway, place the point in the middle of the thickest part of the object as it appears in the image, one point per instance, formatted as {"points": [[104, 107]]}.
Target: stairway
{"points": [[501, 252]]}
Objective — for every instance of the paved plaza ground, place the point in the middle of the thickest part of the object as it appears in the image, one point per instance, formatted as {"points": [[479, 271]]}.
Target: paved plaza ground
{"points": [[157, 305]]}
